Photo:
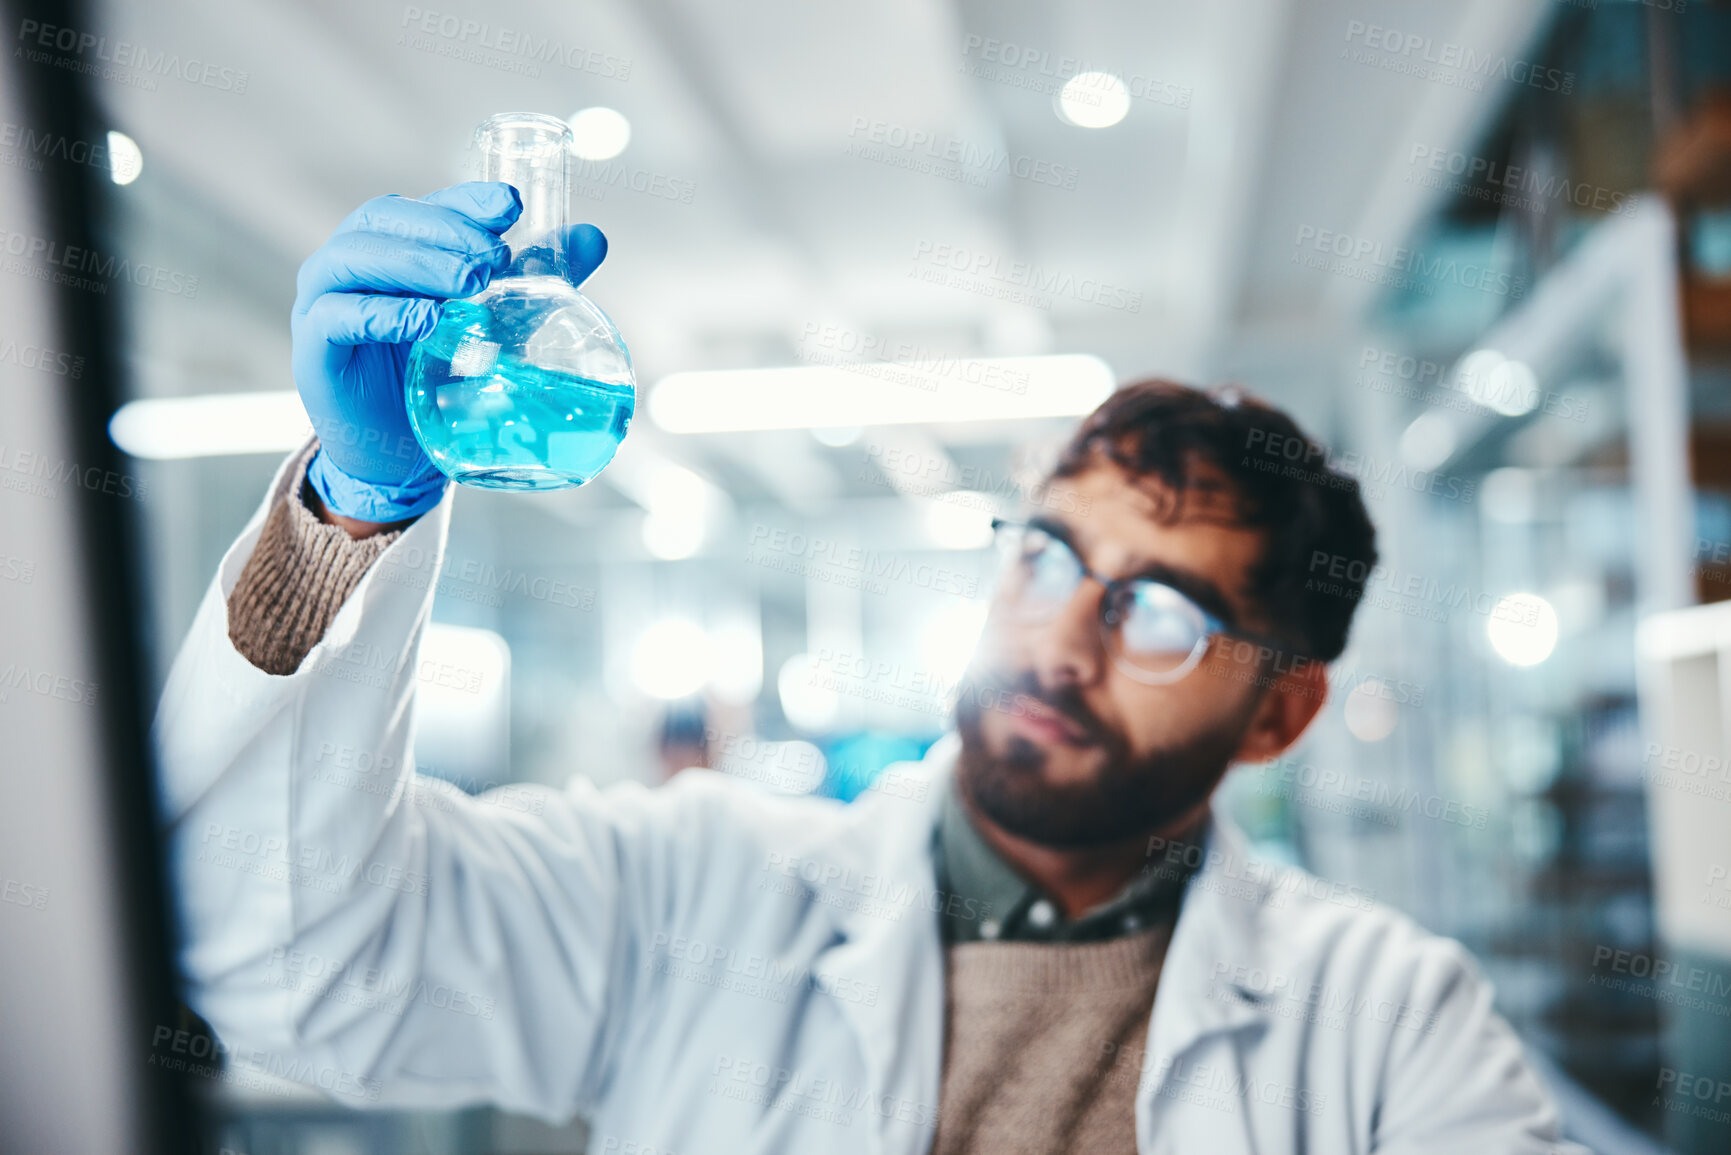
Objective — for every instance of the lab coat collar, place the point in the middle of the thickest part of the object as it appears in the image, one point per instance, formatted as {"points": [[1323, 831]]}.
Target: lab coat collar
{"points": [[877, 882], [900, 1018], [1221, 927]]}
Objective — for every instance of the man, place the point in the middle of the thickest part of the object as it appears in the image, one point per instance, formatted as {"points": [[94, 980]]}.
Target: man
{"points": [[1038, 939]]}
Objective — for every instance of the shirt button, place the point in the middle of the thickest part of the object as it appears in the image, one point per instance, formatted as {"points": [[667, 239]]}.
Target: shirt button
{"points": [[989, 929], [1041, 915]]}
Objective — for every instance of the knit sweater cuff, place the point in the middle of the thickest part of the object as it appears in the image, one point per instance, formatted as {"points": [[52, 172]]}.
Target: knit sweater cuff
{"points": [[300, 573]]}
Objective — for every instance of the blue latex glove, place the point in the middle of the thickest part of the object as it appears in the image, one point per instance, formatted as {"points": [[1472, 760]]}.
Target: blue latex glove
{"points": [[361, 301]]}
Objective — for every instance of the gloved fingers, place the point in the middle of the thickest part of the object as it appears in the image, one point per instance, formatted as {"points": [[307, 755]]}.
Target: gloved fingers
{"points": [[492, 204], [357, 318], [483, 206], [362, 262], [585, 249], [446, 228]]}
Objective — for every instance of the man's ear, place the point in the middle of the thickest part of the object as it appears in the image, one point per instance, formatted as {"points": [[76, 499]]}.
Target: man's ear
{"points": [[1284, 712]]}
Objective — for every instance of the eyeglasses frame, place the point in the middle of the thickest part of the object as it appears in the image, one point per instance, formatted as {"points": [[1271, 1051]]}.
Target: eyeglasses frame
{"points": [[1212, 625]]}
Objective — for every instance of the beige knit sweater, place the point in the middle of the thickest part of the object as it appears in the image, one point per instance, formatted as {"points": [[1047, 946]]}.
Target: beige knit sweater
{"points": [[300, 573], [1042, 1042], [1043, 1045]]}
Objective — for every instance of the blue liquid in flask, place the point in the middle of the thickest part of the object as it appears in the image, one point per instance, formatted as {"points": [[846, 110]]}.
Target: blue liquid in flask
{"points": [[497, 395]]}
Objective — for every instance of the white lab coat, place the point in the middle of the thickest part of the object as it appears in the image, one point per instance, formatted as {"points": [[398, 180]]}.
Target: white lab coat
{"points": [[704, 967]]}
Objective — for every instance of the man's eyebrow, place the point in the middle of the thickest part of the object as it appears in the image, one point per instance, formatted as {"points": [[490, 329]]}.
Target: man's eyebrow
{"points": [[1187, 582]]}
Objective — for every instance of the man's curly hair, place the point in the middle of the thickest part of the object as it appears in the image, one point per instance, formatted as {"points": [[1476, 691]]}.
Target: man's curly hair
{"points": [[1281, 484]]}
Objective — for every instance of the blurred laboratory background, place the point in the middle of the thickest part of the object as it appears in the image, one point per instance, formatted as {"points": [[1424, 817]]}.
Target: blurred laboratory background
{"points": [[1482, 248]]}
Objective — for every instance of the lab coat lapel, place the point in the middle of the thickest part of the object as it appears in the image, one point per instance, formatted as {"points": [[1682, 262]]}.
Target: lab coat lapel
{"points": [[900, 960], [892, 966], [1220, 920]]}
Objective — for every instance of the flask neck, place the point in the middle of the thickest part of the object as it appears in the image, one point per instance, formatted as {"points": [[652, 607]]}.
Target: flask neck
{"points": [[529, 152]]}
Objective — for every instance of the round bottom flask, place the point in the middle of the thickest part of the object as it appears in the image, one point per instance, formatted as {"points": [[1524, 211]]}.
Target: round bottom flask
{"points": [[527, 384]]}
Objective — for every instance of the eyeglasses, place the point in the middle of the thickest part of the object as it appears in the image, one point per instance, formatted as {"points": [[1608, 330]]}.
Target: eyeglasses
{"points": [[1155, 634]]}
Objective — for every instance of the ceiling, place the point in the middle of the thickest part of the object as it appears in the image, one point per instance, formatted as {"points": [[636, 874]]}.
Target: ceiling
{"points": [[773, 201]]}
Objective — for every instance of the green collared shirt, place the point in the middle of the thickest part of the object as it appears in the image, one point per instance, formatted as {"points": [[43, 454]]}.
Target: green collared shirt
{"points": [[985, 900]]}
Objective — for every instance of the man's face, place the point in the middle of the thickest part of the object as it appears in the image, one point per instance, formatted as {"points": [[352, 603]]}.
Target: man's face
{"points": [[1069, 750]]}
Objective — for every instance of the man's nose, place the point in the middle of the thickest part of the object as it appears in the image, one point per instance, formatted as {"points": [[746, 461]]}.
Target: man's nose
{"points": [[1068, 649]]}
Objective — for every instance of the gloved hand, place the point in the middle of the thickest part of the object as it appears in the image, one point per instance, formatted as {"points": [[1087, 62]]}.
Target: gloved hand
{"points": [[361, 301]]}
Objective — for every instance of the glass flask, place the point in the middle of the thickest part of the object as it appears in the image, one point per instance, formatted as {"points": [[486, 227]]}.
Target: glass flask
{"points": [[527, 384]]}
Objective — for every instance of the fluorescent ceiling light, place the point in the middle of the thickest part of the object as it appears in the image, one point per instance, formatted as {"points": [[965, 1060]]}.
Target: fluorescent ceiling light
{"points": [[672, 659], [880, 393], [1523, 629], [213, 425], [1428, 441], [1093, 100], [599, 133], [961, 519], [125, 158]]}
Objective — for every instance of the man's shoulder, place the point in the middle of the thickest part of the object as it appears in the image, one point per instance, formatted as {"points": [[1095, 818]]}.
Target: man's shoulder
{"points": [[1327, 936], [1316, 924]]}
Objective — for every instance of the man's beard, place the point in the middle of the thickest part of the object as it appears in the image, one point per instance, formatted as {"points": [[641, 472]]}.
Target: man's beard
{"points": [[1128, 795]]}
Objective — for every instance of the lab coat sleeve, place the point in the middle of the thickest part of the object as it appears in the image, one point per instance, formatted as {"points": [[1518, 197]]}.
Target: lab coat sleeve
{"points": [[385, 937], [1454, 1075]]}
